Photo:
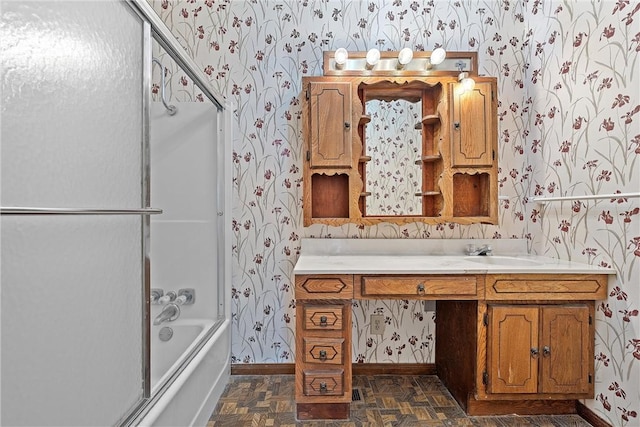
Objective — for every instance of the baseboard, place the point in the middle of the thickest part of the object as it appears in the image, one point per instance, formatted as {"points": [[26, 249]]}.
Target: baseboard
{"points": [[589, 416], [393, 368], [263, 369], [357, 369]]}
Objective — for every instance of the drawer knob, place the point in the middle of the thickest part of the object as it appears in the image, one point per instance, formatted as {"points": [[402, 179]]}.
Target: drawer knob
{"points": [[546, 351], [421, 289], [534, 352], [323, 354], [323, 387], [323, 320]]}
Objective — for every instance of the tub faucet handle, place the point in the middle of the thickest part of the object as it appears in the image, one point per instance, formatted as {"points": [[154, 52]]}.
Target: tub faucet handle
{"points": [[186, 296], [156, 294], [168, 297]]}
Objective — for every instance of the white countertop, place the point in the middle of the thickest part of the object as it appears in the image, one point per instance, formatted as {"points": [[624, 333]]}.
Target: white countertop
{"points": [[400, 256]]}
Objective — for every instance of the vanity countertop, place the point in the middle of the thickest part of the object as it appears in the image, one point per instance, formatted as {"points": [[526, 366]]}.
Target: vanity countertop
{"points": [[402, 256]]}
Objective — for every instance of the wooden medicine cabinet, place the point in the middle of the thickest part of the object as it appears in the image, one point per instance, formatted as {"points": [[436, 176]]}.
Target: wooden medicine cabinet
{"points": [[400, 146]]}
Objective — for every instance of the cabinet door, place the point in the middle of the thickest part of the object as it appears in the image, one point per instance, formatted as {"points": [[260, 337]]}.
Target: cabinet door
{"points": [[473, 121], [566, 350], [330, 124], [512, 349]]}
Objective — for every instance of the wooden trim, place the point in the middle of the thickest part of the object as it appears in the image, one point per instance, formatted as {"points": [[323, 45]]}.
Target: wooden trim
{"points": [[393, 368], [263, 368], [322, 411], [590, 416], [358, 368], [520, 407]]}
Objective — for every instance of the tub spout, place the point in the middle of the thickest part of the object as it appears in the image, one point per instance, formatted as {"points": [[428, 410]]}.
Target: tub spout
{"points": [[169, 313]]}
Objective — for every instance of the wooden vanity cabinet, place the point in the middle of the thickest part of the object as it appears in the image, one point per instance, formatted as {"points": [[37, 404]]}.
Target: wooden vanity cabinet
{"points": [[323, 346], [527, 347], [505, 343], [540, 350]]}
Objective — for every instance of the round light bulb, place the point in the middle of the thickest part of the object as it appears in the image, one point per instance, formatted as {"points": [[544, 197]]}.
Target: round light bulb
{"points": [[373, 56], [405, 56], [468, 84], [341, 56], [438, 55]]}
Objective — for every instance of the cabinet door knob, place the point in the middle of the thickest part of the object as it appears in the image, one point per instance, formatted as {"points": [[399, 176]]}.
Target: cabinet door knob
{"points": [[534, 352], [546, 351], [421, 288], [323, 386], [323, 320], [456, 125], [347, 125]]}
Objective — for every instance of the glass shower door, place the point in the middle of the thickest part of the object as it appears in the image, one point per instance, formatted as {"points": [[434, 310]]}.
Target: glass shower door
{"points": [[73, 334]]}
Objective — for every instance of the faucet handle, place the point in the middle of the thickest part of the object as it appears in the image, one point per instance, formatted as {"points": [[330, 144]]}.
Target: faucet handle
{"points": [[168, 297], [156, 294], [186, 296], [471, 248]]}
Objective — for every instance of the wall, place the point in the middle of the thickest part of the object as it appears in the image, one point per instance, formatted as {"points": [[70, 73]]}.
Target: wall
{"points": [[584, 133], [256, 53]]}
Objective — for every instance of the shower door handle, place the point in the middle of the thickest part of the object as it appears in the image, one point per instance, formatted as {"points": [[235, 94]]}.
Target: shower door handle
{"points": [[77, 211]]}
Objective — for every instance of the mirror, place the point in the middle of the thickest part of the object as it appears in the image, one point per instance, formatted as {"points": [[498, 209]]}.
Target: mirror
{"points": [[394, 144]]}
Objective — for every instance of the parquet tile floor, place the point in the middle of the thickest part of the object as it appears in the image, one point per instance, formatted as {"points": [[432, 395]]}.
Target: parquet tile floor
{"points": [[386, 401]]}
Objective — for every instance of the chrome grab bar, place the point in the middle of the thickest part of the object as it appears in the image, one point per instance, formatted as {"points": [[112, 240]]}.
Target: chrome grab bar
{"points": [[171, 109], [76, 211], [584, 197]]}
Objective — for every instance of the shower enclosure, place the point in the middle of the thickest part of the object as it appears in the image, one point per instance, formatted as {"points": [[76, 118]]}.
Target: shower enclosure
{"points": [[104, 198]]}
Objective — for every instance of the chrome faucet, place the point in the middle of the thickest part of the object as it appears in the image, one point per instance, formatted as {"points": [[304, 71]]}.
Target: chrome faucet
{"points": [[169, 313], [482, 250]]}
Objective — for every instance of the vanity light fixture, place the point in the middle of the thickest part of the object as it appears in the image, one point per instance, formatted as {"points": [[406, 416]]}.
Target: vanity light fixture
{"points": [[437, 56], [372, 58], [404, 57], [341, 57], [466, 82]]}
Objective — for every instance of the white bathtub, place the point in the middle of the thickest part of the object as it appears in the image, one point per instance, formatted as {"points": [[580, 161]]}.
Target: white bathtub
{"points": [[193, 393]]}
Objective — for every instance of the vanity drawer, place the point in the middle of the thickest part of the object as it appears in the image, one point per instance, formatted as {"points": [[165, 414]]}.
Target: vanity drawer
{"points": [[323, 350], [323, 383], [419, 287], [546, 286], [327, 317], [337, 286]]}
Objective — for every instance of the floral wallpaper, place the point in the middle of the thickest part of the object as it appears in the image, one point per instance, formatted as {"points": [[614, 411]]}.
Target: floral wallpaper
{"points": [[569, 104], [394, 144]]}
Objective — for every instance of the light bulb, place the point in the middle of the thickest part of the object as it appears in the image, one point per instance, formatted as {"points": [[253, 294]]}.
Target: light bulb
{"points": [[466, 82], [340, 56], [437, 56], [373, 56], [404, 57]]}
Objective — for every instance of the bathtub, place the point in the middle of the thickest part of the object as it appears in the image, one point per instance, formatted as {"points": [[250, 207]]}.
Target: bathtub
{"points": [[194, 387]]}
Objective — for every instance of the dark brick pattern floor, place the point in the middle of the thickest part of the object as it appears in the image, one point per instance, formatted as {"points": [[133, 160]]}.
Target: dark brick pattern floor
{"points": [[386, 401]]}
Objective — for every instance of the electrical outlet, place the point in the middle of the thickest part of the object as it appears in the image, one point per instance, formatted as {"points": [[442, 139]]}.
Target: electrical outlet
{"points": [[429, 305], [377, 324]]}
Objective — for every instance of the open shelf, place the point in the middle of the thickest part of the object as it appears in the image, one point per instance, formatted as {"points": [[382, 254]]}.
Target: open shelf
{"points": [[429, 159], [330, 196], [471, 193], [428, 193]]}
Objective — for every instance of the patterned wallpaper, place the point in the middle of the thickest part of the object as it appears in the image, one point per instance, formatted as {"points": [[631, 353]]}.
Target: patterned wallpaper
{"points": [[568, 125]]}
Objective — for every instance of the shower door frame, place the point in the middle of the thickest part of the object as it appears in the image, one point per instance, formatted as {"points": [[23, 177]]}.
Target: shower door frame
{"points": [[155, 29]]}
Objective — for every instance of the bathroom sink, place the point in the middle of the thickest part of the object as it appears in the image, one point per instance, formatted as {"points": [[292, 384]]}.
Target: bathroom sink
{"points": [[503, 260]]}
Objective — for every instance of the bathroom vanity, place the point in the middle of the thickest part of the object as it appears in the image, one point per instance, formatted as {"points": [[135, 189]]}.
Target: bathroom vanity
{"points": [[514, 334]]}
